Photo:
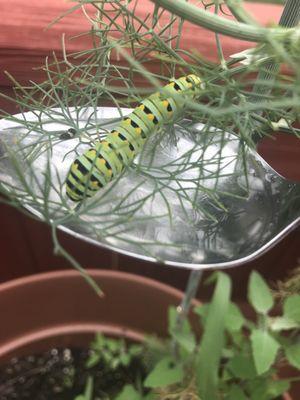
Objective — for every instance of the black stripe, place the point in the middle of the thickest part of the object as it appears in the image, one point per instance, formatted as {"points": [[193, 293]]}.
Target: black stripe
{"points": [[155, 120], [72, 198], [177, 87], [129, 133], [134, 124], [173, 98], [81, 167], [95, 179], [121, 136], [148, 111], [116, 150], [74, 188], [75, 177], [131, 147], [106, 163], [157, 106], [70, 184], [92, 161]]}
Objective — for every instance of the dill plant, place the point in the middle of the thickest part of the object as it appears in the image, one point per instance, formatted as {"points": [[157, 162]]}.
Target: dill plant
{"points": [[130, 57]]}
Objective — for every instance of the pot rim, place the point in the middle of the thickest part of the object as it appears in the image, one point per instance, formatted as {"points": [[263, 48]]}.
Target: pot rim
{"points": [[104, 273], [86, 325]]}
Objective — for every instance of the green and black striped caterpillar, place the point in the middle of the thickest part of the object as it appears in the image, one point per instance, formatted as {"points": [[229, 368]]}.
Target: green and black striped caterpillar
{"points": [[107, 159]]}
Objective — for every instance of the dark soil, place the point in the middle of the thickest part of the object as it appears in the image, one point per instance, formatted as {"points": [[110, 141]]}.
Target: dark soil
{"points": [[60, 374]]}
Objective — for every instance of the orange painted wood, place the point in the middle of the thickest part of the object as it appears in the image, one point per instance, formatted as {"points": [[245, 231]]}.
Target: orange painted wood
{"points": [[25, 40]]}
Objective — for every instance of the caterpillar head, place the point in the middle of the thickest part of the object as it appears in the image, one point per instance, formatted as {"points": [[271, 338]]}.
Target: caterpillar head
{"points": [[193, 80]]}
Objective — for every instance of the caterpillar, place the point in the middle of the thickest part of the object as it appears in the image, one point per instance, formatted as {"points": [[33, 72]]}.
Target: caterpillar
{"points": [[97, 166]]}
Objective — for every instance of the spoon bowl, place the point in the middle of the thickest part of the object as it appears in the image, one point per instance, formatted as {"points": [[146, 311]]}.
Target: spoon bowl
{"points": [[198, 203]]}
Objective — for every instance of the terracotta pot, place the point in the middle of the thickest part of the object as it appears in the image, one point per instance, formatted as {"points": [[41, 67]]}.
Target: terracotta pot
{"points": [[59, 308]]}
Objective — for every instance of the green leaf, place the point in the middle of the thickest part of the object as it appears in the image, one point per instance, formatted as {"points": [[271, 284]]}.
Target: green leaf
{"points": [[234, 318], [113, 344], [293, 355], [282, 323], [185, 340], [276, 388], [212, 278], [135, 349], [209, 356], [165, 373], [258, 389], [291, 308], [98, 342], [242, 366], [259, 294], [238, 338], [88, 391], [127, 393], [266, 389], [202, 311], [125, 359], [264, 350], [93, 360], [236, 393]]}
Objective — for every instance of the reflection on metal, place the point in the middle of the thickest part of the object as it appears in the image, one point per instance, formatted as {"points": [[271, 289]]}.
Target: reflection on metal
{"points": [[190, 206]]}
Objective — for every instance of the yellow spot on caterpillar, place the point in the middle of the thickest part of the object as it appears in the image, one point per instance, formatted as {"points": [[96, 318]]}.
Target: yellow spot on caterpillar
{"points": [[94, 184], [138, 130], [109, 171], [166, 104], [150, 116], [74, 167], [141, 106], [91, 153], [101, 161], [128, 121]]}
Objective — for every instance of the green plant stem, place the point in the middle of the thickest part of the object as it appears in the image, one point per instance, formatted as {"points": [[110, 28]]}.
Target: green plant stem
{"points": [[290, 17], [58, 249], [220, 24], [184, 307]]}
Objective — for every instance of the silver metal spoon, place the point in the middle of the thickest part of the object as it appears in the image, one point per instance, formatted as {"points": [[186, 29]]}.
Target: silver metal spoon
{"points": [[209, 215]]}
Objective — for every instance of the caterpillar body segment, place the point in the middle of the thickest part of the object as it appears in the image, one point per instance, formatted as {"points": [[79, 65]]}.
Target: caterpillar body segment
{"points": [[107, 159]]}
